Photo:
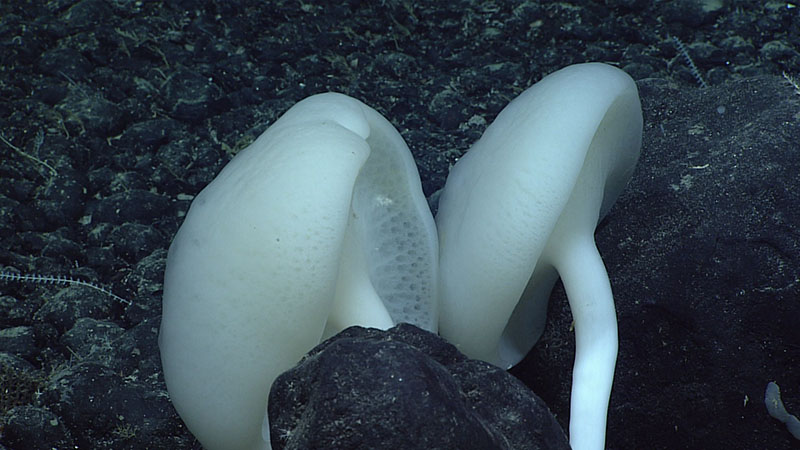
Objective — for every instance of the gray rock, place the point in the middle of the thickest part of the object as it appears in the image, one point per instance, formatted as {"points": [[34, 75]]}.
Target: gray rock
{"points": [[404, 388]]}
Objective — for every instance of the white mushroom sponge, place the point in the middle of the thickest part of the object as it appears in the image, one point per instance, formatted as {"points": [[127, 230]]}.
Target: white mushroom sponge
{"points": [[519, 210], [320, 224]]}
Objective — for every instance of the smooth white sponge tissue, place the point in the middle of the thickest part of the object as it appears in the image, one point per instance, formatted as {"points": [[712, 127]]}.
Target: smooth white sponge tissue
{"points": [[254, 273], [519, 210]]}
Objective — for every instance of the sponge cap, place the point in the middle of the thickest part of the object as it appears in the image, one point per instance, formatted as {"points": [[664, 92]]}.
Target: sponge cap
{"points": [[253, 274]]}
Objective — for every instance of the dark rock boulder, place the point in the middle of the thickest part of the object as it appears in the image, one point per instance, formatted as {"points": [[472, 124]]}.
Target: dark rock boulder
{"points": [[404, 388]]}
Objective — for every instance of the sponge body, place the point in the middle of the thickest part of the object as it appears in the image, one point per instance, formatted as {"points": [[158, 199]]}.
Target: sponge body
{"points": [[519, 210], [321, 224], [255, 271]]}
